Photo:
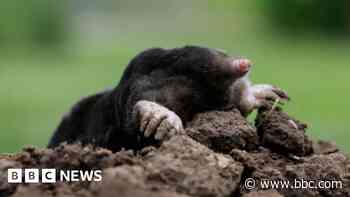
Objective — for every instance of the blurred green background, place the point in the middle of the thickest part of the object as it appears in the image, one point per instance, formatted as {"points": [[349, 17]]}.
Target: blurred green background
{"points": [[52, 53]]}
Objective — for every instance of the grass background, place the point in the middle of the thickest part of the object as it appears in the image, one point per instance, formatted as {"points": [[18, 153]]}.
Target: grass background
{"points": [[37, 85]]}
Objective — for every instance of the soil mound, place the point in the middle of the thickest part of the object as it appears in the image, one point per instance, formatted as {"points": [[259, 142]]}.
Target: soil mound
{"points": [[218, 154]]}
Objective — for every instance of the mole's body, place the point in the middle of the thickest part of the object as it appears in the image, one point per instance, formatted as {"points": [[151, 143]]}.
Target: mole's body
{"points": [[159, 91]]}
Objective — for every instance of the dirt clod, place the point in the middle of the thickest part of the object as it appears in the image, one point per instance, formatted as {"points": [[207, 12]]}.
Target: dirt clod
{"points": [[324, 147], [223, 131], [216, 155], [282, 133]]}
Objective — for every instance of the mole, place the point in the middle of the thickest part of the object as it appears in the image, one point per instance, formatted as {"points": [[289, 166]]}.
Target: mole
{"points": [[159, 91]]}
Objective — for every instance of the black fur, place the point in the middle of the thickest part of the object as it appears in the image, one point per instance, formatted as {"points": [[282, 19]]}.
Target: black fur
{"points": [[186, 80]]}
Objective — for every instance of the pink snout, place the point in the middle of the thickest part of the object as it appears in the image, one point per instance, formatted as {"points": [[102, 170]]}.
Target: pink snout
{"points": [[242, 65]]}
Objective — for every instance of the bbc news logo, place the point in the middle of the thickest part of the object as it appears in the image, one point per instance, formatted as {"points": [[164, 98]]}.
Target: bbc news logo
{"points": [[33, 175]]}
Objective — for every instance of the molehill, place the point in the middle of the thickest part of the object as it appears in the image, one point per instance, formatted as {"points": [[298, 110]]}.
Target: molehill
{"points": [[215, 157]]}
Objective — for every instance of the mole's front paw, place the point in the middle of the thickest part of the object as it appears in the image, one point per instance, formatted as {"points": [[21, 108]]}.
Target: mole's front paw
{"points": [[157, 120], [266, 94]]}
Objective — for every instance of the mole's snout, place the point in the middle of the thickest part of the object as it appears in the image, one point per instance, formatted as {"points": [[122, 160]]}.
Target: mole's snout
{"points": [[241, 66]]}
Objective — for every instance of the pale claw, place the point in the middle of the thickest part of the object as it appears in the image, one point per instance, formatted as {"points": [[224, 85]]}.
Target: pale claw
{"points": [[265, 93], [157, 120]]}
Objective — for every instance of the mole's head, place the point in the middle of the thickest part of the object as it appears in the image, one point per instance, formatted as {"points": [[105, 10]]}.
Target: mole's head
{"points": [[211, 65]]}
